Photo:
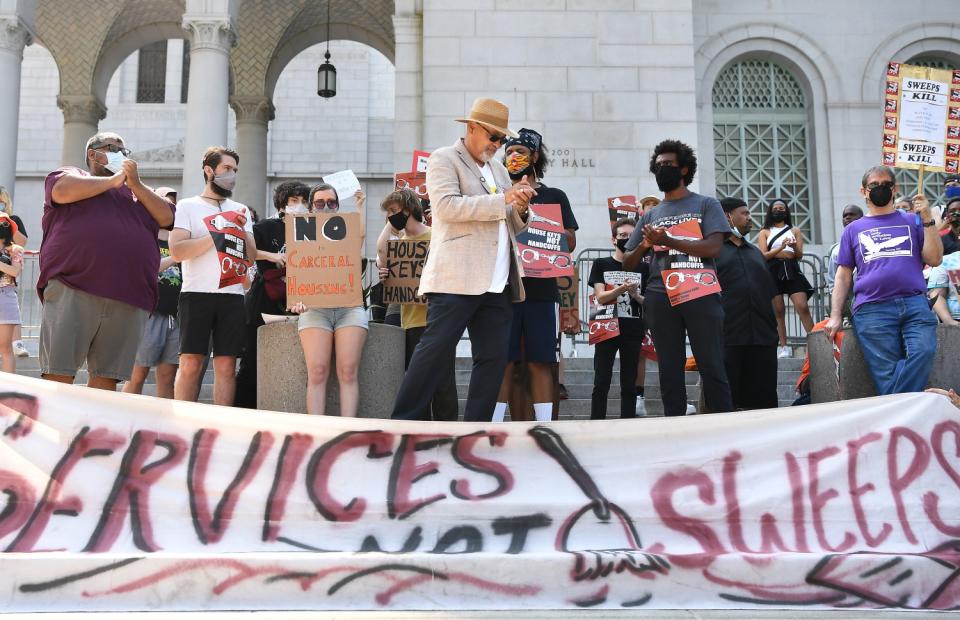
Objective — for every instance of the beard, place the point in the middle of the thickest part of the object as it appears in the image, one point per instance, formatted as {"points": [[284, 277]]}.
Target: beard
{"points": [[220, 191]]}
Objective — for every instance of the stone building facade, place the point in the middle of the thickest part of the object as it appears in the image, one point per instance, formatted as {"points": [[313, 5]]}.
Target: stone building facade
{"points": [[779, 98]]}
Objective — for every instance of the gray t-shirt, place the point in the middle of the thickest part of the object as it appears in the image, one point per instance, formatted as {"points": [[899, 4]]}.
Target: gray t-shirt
{"points": [[705, 210]]}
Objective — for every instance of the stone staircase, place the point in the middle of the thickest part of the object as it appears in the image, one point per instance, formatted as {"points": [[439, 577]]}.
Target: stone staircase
{"points": [[579, 383]]}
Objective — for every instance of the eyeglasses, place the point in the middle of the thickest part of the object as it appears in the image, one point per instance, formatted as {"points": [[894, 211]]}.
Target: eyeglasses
{"points": [[112, 148], [332, 203], [873, 186], [495, 138]]}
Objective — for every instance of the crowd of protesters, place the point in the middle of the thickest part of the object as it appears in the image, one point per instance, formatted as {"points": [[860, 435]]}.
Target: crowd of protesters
{"points": [[683, 271]]}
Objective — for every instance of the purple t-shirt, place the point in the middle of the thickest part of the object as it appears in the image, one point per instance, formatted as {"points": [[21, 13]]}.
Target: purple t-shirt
{"points": [[886, 252], [105, 245]]}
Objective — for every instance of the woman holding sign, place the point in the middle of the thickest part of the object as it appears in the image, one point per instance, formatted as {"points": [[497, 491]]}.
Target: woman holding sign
{"points": [[323, 330]]}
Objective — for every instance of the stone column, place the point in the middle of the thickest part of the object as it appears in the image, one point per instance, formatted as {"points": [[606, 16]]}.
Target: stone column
{"points": [[408, 61], [253, 115], [81, 117], [13, 38], [211, 37]]}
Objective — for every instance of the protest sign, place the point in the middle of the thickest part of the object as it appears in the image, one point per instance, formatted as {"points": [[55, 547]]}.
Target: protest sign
{"points": [[621, 206], [603, 324], [921, 121], [119, 502], [420, 159], [323, 260], [230, 241], [569, 289], [686, 278], [417, 181], [345, 182], [405, 260], [542, 246]]}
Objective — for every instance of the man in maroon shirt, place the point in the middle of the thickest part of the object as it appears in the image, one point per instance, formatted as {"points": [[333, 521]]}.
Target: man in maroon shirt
{"points": [[98, 265]]}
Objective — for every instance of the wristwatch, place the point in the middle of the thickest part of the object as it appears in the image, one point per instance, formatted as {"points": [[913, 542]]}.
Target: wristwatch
{"points": [[929, 224]]}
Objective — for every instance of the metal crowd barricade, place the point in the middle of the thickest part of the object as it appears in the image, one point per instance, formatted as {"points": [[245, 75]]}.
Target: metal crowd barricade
{"points": [[27, 292]]}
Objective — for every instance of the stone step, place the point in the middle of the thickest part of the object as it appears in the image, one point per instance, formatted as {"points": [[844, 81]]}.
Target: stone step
{"points": [[651, 391], [586, 363], [585, 377], [579, 408]]}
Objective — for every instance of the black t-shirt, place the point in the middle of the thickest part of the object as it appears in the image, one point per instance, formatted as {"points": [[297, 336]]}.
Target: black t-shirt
{"points": [[16, 220], [748, 291], [545, 289], [270, 236], [168, 284], [608, 270]]}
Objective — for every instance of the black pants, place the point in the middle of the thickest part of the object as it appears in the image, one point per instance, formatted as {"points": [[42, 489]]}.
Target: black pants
{"points": [[752, 372], [603, 355], [702, 320], [487, 318], [444, 407]]}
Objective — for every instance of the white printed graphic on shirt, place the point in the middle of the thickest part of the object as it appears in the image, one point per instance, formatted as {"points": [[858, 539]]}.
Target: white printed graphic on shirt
{"points": [[615, 279], [885, 242]]}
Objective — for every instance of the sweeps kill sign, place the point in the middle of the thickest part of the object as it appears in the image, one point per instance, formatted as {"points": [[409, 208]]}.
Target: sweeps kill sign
{"points": [[542, 247], [323, 260], [416, 181], [921, 118], [405, 260], [230, 241], [119, 502]]}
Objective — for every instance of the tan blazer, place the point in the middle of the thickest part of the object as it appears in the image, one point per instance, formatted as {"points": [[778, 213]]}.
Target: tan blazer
{"points": [[466, 225]]}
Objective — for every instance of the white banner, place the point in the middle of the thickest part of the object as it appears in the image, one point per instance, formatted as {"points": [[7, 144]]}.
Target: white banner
{"points": [[118, 502]]}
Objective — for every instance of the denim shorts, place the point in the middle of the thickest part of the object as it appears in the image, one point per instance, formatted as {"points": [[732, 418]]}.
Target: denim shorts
{"points": [[9, 308], [332, 319], [160, 343]]}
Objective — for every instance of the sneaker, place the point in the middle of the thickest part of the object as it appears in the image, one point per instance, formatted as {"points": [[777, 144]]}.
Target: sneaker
{"points": [[563, 392], [784, 352], [19, 350], [641, 407], [691, 409]]}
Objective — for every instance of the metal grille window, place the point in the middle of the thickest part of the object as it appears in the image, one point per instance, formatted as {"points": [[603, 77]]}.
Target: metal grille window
{"points": [[761, 137], [932, 181], [152, 73]]}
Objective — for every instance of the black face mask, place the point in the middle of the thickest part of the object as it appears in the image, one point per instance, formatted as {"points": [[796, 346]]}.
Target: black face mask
{"points": [[398, 220], [668, 178], [778, 216], [516, 176], [622, 244], [881, 195]]}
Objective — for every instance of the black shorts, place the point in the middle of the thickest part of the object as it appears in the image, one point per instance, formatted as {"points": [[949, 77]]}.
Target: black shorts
{"points": [[220, 314], [537, 325]]}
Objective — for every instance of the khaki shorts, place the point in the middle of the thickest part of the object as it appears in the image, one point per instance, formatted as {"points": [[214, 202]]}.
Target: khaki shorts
{"points": [[77, 327]]}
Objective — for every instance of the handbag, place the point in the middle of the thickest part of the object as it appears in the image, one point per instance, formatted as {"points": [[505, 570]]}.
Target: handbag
{"points": [[275, 285]]}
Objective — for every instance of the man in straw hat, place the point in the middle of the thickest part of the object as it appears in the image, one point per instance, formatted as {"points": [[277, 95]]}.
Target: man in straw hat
{"points": [[472, 273]]}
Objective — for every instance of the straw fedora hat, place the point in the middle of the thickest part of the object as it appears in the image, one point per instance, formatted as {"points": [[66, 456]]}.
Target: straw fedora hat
{"points": [[490, 113]]}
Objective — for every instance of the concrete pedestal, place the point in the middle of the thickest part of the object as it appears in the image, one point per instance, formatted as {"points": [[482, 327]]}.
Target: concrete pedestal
{"points": [[854, 379], [282, 371]]}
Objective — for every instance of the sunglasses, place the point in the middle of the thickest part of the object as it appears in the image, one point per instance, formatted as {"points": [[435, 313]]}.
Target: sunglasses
{"points": [[330, 204], [873, 186], [112, 148], [495, 138]]}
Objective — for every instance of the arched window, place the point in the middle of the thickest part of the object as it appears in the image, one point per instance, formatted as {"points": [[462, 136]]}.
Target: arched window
{"points": [[932, 181], [761, 138]]}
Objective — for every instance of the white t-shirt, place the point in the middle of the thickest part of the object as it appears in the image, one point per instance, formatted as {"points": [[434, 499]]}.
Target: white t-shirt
{"points": [[501, 270], [782, 239], [201, 274]]}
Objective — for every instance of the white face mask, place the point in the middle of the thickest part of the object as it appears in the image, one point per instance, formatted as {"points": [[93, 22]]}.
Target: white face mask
{"points": [[297, 208], [115, 161], [736, 232]]}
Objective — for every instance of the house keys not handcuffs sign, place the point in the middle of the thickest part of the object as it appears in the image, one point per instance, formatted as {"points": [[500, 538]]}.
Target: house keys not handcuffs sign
{"points": [[542, 247]]}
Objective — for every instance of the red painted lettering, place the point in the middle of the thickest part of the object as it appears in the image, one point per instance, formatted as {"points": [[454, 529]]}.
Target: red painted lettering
{"points": [[292, 453], [857, 490], [662, 498], [463, 454], [769, 535], [819, 500], [931, 500], [899, 482], [405, 471], [321, 462]]}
